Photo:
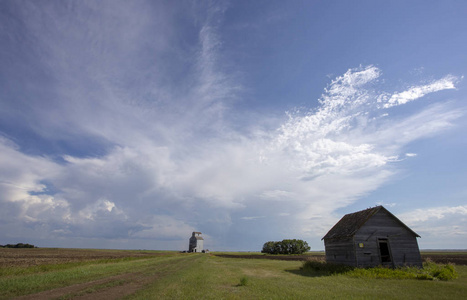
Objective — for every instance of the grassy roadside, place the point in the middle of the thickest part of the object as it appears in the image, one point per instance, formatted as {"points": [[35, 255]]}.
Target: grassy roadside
{"points": [[194, 276], [42, 278], [211, 277]]}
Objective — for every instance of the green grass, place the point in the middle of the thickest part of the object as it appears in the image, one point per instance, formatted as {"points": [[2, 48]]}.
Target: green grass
{"points": [[210, 277], [12, 271], [92, 289], [36, 279], [203, 276], [243, 281], [430, 271]]}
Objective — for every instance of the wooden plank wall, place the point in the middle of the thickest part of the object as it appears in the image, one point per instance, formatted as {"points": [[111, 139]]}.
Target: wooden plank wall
{"points": [[340, 251], [402, 243], [363, 249]]}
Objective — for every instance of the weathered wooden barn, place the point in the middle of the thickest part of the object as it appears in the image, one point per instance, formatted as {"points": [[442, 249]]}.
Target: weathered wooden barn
{"points": [[372, 237], [196, 242]]}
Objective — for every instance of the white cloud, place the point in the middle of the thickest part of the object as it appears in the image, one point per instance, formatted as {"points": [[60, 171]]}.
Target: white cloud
{"points": [[169, 160], [303, 171], [277, 195], [98, 207], [434, 213], [417, 92], [165, 228], [439, 227], [252, 218], [387, 204]]}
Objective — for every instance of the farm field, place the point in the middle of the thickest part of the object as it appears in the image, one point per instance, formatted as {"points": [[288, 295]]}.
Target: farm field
{"points": [[117, 274], [458, 258], [10, 257]]}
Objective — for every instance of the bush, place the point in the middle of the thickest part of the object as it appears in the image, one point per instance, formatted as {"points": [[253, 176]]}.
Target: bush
{"points": [[286, 247], [438, 272], [243, 281], [323, 268], [430, 271]]}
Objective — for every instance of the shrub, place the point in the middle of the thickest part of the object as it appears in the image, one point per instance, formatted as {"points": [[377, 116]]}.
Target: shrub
{"points": [[286, 247], [383, 273], [243, 281], [324, 268], [438, 272], [430, 271]]}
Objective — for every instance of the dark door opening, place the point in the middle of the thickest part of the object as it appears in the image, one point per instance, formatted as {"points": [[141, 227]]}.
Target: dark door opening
{"points": [[384, 251]]}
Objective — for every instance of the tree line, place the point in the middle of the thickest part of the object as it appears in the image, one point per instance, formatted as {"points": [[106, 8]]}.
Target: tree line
{"points": [[19, 245], [286, 247]]}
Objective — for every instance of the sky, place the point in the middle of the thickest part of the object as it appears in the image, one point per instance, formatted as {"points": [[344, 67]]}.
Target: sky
{"points": [[131, 124]]}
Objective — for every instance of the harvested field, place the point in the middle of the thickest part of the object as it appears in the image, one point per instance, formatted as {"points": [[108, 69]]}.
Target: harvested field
{"points": [[437, 257], [444, 258], [11, 257]]}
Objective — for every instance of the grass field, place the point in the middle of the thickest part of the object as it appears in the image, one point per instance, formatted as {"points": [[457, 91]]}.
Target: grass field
{"points": [[111, 274]]}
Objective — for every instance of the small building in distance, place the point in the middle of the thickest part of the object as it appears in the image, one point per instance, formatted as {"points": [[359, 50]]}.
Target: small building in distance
{"points": [[372, 237], [196, 242]]}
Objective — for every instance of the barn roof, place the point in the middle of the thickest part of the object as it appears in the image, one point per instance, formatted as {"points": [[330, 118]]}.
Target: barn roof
{"points": [[351, 223]]}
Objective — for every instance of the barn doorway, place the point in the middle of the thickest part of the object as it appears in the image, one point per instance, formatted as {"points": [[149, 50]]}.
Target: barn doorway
{"points": [[384, 252]]}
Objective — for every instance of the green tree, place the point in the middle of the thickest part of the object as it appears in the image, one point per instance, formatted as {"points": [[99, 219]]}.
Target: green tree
{"points": [[268, 248], [286, 247]]}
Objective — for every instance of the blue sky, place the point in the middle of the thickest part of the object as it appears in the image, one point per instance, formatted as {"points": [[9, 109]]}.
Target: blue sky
{"points": [[131, 124]]}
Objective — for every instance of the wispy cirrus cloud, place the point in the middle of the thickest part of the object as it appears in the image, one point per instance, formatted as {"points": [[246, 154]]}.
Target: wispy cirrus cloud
{"points": [[416, 92]]}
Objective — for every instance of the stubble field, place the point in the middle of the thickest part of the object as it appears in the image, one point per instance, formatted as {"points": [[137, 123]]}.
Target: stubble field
{"points": [[11, 257], [117, 274], [458, 258]]}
